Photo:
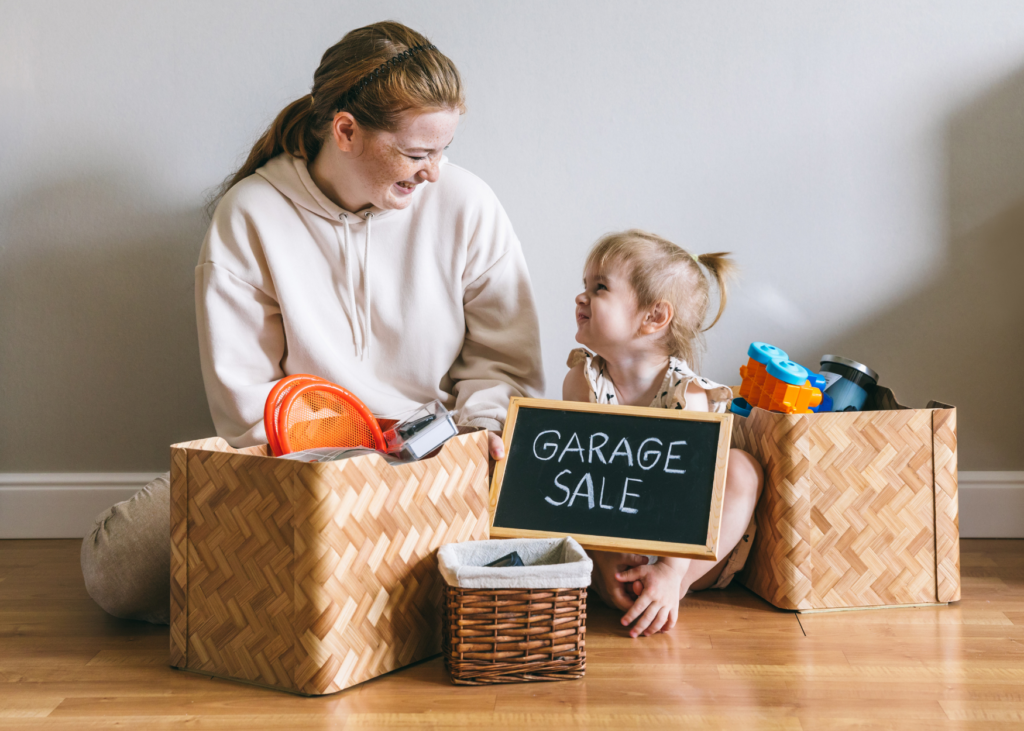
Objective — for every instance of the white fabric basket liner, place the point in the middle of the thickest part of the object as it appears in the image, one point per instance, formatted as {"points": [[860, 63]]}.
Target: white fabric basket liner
{"points": [[551, 563]]}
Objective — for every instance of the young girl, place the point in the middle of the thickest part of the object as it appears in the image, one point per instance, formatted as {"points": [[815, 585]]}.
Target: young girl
{"points": [[641, 315]]}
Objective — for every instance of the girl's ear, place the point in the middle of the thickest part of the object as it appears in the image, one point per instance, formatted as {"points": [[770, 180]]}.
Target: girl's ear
{"points": [[345, 130], [657, 318]]}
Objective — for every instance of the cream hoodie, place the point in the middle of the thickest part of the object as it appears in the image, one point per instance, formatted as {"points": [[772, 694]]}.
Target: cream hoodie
{"points": [[398, 307]]}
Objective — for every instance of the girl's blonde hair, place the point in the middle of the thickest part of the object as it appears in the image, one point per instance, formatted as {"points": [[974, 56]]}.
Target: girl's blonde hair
{"points": [[660, 270], [374, 73]]}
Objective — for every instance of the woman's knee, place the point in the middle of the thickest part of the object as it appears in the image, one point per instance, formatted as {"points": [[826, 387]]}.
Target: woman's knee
{"points": [[126, 556]]}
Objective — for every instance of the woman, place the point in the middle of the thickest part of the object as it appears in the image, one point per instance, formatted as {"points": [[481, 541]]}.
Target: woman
{"points": [[348, 247]]}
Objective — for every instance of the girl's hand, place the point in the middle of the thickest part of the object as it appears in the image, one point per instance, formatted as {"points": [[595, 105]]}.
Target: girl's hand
{"points": [[614, 593], [657, 606]]}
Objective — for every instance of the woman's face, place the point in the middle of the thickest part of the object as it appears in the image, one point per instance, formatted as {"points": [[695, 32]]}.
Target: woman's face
{"points": [[391, 165]]}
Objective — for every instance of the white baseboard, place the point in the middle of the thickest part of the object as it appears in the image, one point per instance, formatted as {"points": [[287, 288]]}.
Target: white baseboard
{"points": [[64, 505], [991, 504], [61, 504]]}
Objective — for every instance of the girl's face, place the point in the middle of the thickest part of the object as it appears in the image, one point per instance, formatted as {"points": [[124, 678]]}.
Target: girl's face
{"points": [[606, 310], [391, 165]]}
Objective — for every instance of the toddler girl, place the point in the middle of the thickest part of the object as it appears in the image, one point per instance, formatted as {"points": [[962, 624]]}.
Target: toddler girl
{"points": [[641, 315]]}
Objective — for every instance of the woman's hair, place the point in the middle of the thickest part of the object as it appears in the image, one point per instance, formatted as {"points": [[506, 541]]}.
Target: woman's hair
{"points": [[374, 73], [660, 270]]}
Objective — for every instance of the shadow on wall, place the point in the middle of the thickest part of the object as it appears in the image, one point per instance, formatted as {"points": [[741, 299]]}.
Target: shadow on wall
{"points": [[966, 329], [99, 362]]}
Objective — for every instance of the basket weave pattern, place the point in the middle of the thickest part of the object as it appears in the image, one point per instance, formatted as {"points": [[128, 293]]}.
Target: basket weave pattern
{"points": [[858, 510], [947, 516], [314, 577], [514, 635]]}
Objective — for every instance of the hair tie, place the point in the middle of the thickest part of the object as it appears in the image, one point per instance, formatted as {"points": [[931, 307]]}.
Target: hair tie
{"points": [[349, 96]]}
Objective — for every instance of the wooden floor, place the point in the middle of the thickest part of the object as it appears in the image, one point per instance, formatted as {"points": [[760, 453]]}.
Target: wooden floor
{"points": [[733, 662]]}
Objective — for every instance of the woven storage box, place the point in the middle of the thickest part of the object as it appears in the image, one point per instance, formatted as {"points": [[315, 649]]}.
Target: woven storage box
{"points": [[859, 509], [314, 577], [517, 624]]}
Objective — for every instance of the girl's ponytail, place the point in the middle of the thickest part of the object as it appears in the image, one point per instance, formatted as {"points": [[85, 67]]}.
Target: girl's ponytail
{"points": [[290, 132], [722, 268]]}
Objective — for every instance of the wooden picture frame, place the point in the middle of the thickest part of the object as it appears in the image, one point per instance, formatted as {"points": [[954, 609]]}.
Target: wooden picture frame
{"points": [[706, 551]]}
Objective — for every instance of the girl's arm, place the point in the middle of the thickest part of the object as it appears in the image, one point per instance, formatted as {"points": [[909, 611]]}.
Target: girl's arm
{"points": [[696, 398], [575, 387]]}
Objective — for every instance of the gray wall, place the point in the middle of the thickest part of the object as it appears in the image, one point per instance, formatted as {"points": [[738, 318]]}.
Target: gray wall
{"points": [[864, 161]]}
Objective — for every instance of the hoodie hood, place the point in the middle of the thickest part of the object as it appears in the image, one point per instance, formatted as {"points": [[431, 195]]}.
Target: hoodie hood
{"points": [[290, 176]]}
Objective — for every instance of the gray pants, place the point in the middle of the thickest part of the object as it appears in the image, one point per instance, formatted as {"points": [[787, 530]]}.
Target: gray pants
{"points": [[126, 558]]}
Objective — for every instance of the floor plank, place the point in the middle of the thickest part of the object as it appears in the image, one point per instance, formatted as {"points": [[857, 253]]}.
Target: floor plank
{"points": [[733, 662]]}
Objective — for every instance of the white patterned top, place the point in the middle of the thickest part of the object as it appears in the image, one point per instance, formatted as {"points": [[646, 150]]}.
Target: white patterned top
{"points": [[671, 395]]}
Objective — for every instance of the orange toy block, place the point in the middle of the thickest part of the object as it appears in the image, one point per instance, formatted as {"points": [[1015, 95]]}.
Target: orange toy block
{"points": [[756, 369], [785, 398], [753, 375]]}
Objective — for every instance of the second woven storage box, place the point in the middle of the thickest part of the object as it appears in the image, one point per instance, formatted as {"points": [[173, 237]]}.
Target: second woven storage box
{"points": [[859, 509], [516, 624]]}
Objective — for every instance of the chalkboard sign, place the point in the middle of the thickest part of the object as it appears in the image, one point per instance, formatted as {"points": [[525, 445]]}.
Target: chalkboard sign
{"points": [[619, 478]]}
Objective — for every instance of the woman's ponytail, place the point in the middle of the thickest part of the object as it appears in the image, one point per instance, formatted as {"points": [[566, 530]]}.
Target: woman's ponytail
{"points": [[722, 268], [290, 132]]}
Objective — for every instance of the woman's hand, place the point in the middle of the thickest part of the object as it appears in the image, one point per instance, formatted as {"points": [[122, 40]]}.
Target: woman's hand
{"points": [[495, 449], [495, 446], [658, 588]]}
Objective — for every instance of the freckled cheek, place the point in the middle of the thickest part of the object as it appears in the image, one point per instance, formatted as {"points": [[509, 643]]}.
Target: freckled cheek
{"points": [[388, 175], [391, 167]]}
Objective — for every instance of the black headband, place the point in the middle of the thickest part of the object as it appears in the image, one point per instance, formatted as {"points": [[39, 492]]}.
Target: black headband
{"points": [[349, 96]]}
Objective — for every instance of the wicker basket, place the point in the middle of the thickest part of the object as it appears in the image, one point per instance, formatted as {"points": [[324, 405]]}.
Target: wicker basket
{"points": [[516, 634], [314, 577], [859, 509]]}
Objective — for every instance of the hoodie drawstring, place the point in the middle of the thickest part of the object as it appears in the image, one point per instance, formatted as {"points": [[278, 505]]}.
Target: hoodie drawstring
{"points": [[366, 281], [360, 334], [349, 266]]}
